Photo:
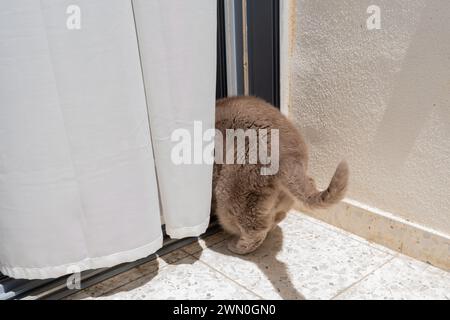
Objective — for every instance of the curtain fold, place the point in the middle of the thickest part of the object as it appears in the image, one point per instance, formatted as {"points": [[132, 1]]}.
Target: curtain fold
{"points": [[78, 184], [86, 117], [177, 42]]}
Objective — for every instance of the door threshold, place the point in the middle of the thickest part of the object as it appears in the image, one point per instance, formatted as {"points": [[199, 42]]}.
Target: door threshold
{"points": [[55, 289]]}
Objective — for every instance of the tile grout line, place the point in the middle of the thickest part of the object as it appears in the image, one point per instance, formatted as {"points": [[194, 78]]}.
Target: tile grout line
{"points": [[227, 277], [144, 274], [138, 278], [339, 232], [223, 274], [129, 282], [192, 255], [351, 236], [365, 241], [364, 277]]}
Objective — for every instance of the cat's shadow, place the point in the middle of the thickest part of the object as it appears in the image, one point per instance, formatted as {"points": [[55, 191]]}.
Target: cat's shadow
{"points": [[265, 258]]}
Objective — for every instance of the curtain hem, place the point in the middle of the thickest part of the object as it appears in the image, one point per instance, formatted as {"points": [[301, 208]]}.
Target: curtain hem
{"points": [[184, 232], [86, 264]]}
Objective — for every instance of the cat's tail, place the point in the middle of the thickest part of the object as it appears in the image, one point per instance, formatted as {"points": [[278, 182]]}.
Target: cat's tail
{"points": [[303, 187]]}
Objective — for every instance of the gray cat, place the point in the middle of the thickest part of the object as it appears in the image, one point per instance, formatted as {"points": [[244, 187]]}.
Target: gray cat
{"points": [[249, 204]]}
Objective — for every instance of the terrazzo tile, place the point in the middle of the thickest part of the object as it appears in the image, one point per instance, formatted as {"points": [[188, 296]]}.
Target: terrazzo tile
{"points": [[188, 278], [343, 232], [389, 230], [206, 242], [402, 278], [298, 260], [305, 258], [119, 280]]}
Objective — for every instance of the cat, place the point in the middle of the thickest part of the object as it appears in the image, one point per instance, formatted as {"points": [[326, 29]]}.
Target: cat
{"points": [[249, 204]]}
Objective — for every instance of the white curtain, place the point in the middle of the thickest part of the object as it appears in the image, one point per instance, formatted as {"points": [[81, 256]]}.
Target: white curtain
{"points": [[79, 110], [180, 82]]}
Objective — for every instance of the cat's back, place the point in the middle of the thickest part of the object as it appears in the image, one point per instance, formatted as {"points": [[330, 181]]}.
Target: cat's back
{"points": [[247, 112]]}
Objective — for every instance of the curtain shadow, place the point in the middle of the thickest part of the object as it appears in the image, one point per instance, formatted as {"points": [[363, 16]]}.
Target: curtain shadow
{"points": [[124, 282], [264, 258]]}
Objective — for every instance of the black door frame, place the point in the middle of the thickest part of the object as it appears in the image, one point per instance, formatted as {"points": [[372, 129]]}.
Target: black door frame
{"points": [[255, 41], [221, 69], [263, 34]]}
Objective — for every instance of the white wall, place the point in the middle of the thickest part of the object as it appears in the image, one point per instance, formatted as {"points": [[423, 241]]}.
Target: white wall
{"points": [[378, 98]]}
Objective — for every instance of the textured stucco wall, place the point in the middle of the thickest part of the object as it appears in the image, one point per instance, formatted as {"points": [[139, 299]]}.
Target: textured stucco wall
{"points": [[378, 98]]}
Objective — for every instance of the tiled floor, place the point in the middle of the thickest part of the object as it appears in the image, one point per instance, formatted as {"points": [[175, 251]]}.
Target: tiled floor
{"points": [[302, 259]]}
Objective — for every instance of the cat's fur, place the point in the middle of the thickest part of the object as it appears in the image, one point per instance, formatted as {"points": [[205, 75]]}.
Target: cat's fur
{"points": [[249, 204]]}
